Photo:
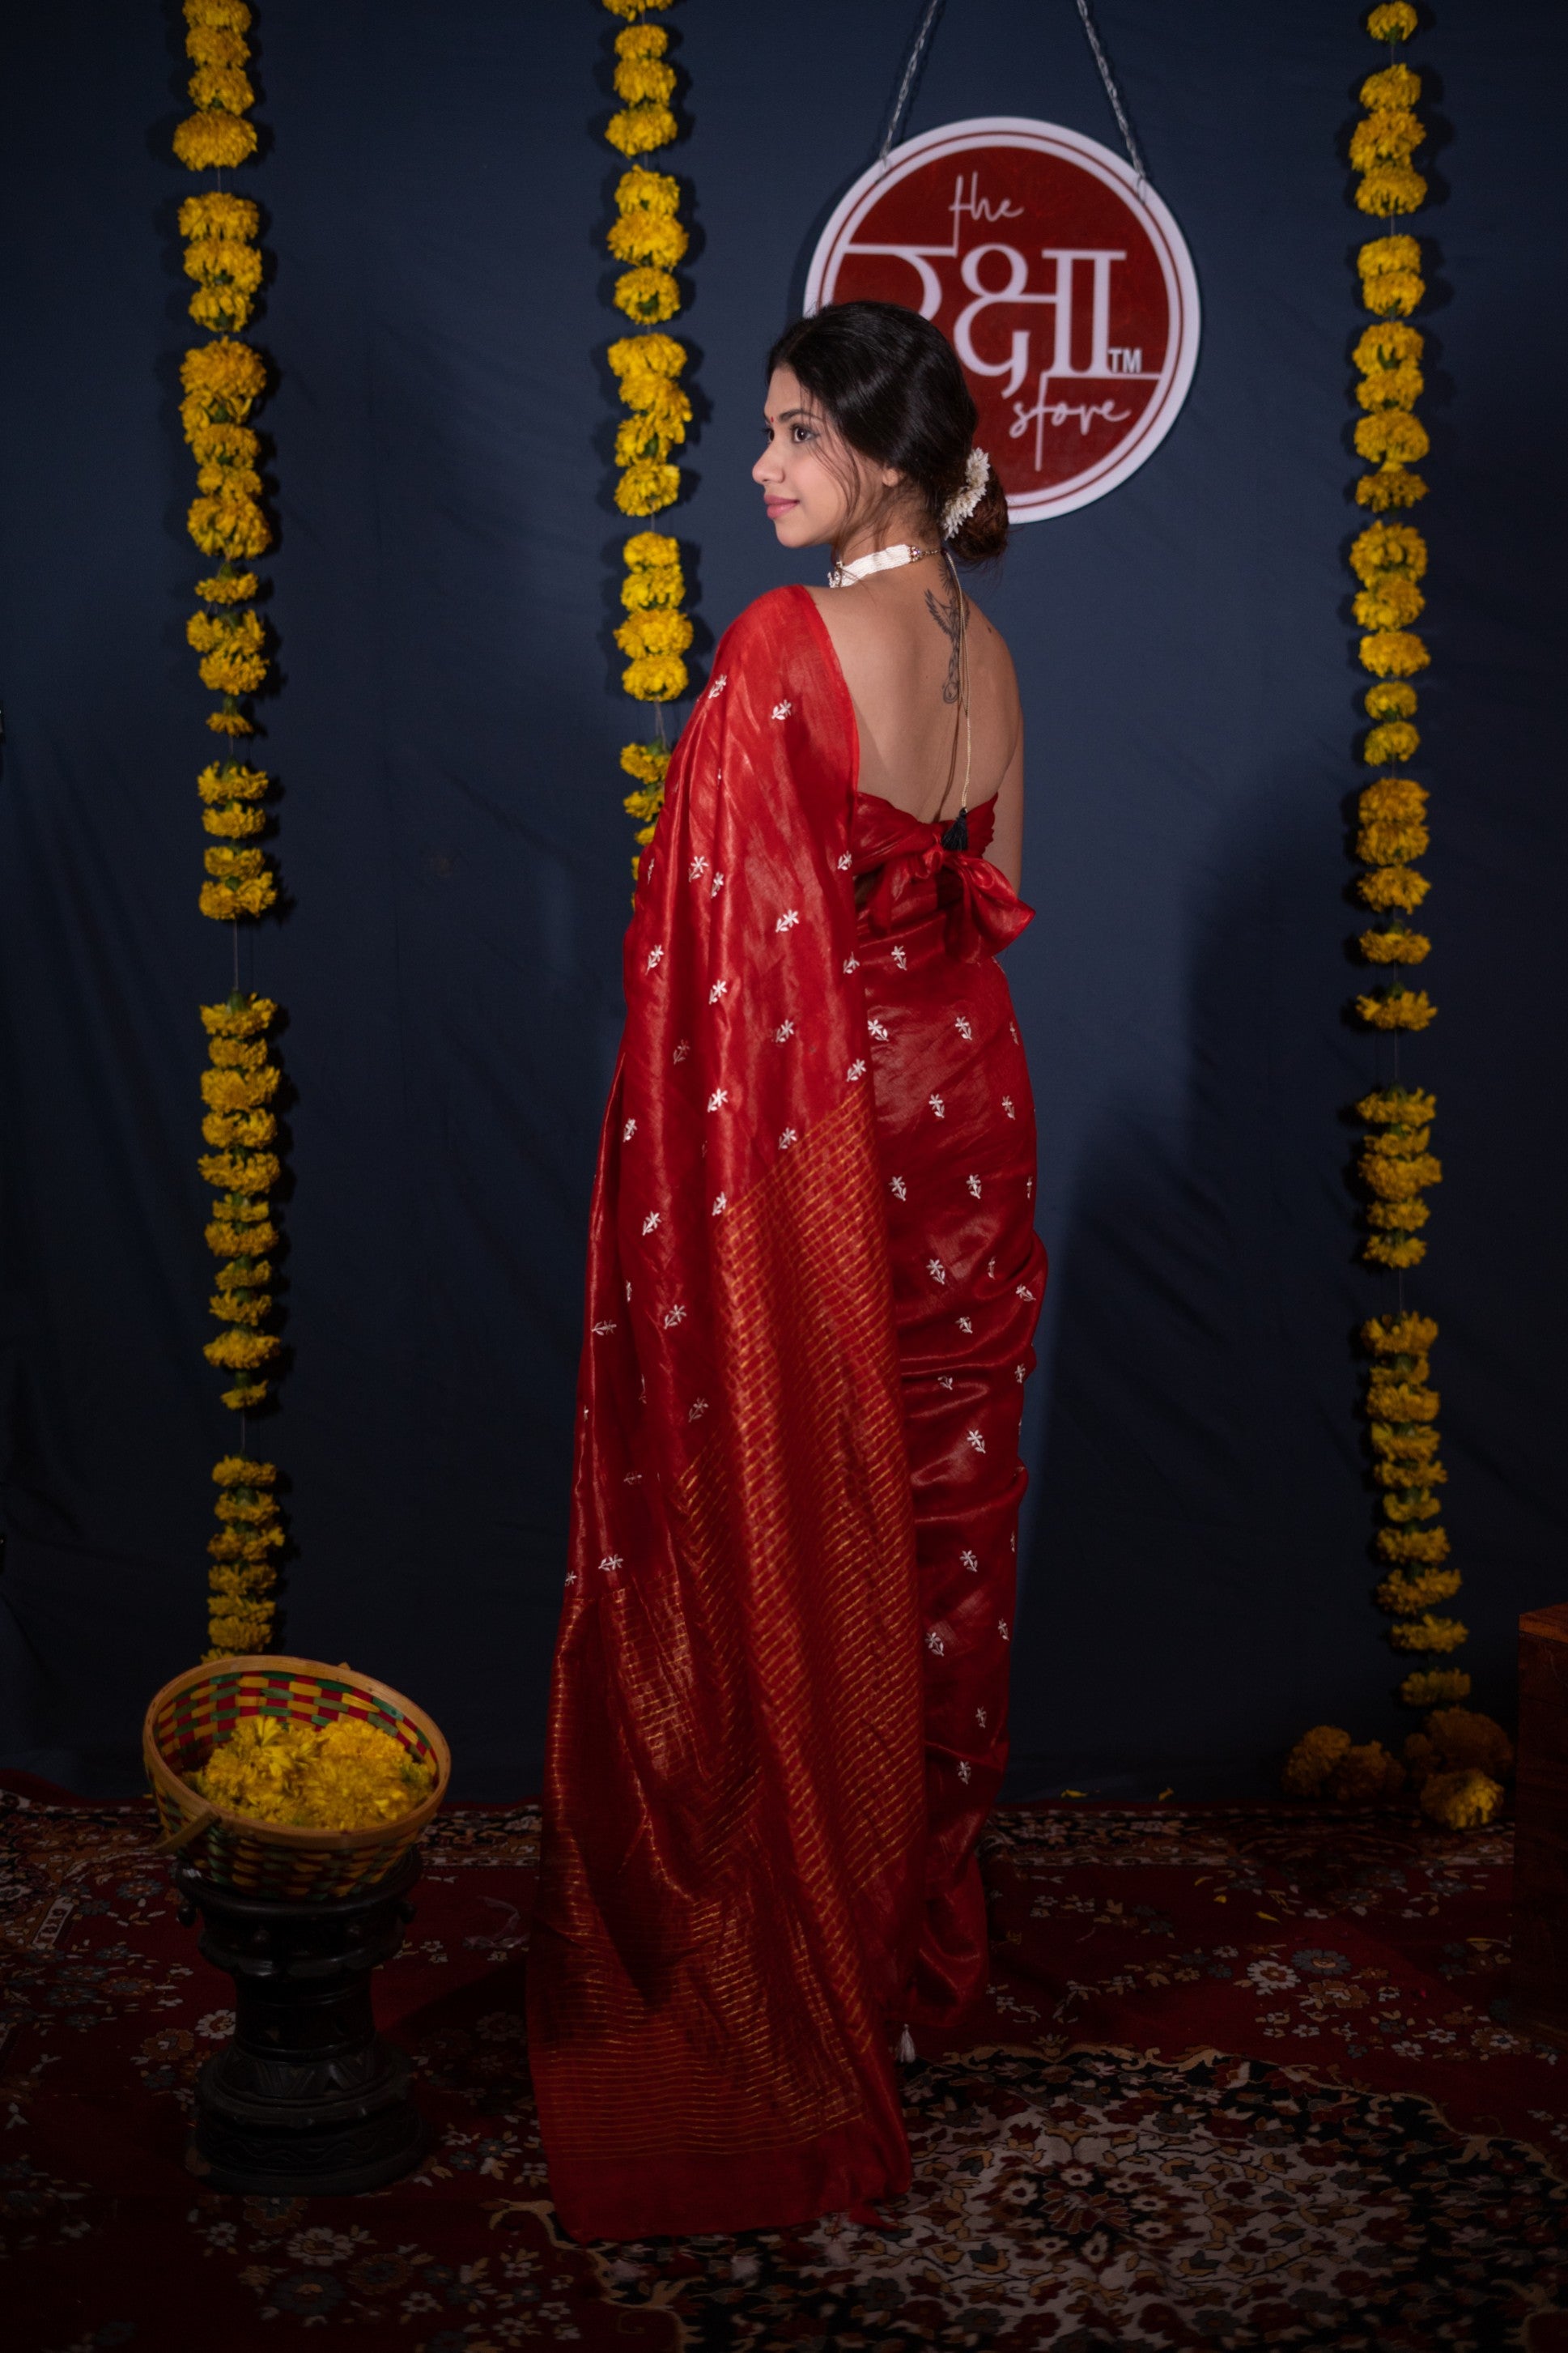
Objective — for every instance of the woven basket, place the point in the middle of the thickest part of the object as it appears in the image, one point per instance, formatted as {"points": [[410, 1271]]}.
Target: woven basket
{"points": [[193, 1714]]}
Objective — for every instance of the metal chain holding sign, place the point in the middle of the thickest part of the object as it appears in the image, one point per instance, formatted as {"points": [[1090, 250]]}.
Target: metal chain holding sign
{"points": [[916, 58]]}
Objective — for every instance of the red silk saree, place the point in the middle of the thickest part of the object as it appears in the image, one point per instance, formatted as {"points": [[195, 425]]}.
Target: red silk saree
{"points": [[779, 1706]]}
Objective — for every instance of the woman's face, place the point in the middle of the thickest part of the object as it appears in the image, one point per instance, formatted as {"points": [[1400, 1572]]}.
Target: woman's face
{"points": [[812, 482]]}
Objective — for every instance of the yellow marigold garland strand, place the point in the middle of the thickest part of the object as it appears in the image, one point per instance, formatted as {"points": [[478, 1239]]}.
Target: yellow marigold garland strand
{"points": [[648, 238], [1458, 1762], [222, 380], [1396, 1166]]}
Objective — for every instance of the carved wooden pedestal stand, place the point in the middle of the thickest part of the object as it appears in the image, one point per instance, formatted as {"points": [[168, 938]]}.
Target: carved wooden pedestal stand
{"points": [[307, 2099]]}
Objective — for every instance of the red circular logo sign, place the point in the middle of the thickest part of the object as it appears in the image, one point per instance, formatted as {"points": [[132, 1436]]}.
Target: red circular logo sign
{"points": [[1068, 293]]}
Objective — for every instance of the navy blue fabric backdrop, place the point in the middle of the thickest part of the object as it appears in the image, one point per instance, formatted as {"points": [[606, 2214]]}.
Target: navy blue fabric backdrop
{"points": [[1195, 1549]]}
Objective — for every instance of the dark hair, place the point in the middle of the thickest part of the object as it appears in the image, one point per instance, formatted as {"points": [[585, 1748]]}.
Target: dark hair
{"points": [[891, 384]]}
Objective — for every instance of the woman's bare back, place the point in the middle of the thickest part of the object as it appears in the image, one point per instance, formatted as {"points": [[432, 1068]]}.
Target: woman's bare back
{"points": [[897, 635]]}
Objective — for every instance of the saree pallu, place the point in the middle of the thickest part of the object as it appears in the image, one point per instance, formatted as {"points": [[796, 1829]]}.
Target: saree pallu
{"points": [[778, 1708]]}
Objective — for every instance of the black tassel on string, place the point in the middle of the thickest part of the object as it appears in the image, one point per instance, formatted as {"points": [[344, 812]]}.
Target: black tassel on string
{"points": [[957, 834]]}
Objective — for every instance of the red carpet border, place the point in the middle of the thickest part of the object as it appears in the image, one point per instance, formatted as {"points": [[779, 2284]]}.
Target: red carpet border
{"points": [[1245, 2078]]}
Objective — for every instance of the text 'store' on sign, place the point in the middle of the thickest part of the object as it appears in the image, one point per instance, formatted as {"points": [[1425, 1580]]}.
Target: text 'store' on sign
{"points": [[1068, 293]]}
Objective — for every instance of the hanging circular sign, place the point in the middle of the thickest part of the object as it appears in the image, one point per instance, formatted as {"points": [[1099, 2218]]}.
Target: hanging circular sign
{"points": [[1065, 289]]}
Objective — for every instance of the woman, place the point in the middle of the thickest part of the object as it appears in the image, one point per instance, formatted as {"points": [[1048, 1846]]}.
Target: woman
{"points": [[780, 1696]]}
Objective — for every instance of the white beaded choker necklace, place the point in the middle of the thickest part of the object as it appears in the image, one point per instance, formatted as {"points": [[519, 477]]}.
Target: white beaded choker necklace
{"points": [[886, 559]]}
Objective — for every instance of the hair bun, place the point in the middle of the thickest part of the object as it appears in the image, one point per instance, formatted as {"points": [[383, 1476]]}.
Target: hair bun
{"points": [[982, 536]]}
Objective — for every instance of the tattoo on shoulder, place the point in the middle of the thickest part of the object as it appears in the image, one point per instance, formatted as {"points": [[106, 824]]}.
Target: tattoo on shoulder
{"points": [[945, 613]]}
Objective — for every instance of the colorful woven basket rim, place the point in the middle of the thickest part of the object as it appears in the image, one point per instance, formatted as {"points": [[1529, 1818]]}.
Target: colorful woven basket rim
{"points": [[277, 1668]]}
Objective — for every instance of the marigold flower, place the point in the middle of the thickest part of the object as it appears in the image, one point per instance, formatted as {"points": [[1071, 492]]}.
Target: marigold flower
{"points": [[1392, 486], [245, 1511], [228, 672], [1399, 1335], [655, 678], [1390, 189], [234, 632], [1391, 739], [1365, 1776], [345, 1775], [658, 583], [1393, 653], [1410, 1478], [1403, 1443], [240, 1017], [1397, 1008], [227, 372], [1429, 1544], [1462, 1801], [226, 902], [1394, 20], [639, 130], [648, 762], [658, 632], [1387, 843], [237, 1053], [633, 7], [223, 261], [1385, 548], [646, 807], [1391, 1179], [1397, 946], [231, 780], [642, 81], [214, 142], [1390, 278], [647, 356], [218, 305], [230, 15], [227, 1239], [1463, 1736], [1394, 293], [234, 824], [1430, 1633], [1387, 345], [1394, 1107], [650, 294], [241, 1582], [1399, 1249], [1393, 888], [643, 437], [1390, 699], [1313, 1758], [241, 1352], [207, 45], [1434, 1688], [1391, 389], [647, 236], [248, 1129], [228, 587], [1404, 1596], [232, 218], [1392, 796], [229, 526], [646, 487], [1391, 86], [662, 403], [1390, 134], [1391, 434], [1392, 603], [646, 551], [240, 1090]]}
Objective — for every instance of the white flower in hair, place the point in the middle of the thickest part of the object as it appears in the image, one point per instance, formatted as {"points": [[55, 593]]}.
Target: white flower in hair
{"points": [[958, 509]]}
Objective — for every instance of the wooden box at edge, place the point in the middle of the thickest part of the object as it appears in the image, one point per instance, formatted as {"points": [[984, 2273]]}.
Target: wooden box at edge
{"points": [[1540, 1985]]}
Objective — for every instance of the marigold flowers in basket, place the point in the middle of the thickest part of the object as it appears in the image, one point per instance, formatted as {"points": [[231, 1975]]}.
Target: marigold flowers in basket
{"points": [[343, 1775]]}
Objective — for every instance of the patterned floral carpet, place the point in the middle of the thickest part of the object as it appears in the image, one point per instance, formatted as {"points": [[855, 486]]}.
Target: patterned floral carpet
{"points": [[1246, 2079]]}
